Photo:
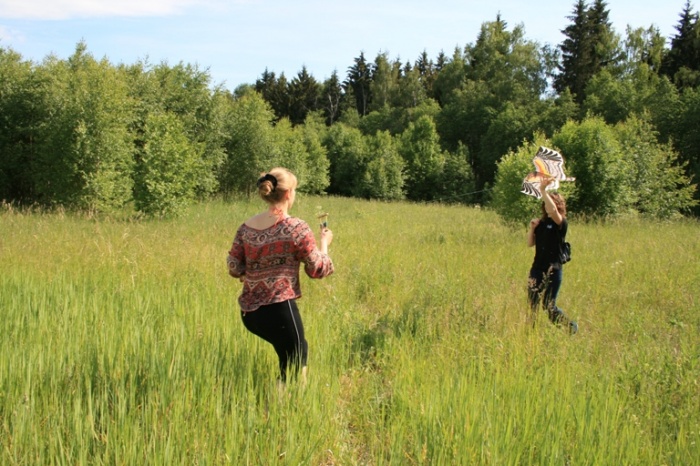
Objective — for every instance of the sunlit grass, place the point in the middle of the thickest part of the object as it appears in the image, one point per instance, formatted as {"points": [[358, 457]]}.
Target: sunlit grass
{"points": [[121, 343]]}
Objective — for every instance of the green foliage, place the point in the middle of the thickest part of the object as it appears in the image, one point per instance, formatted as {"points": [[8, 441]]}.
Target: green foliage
{"points": [[663, 107], [300, 150], [83, 150], [429, 108], [637, 93], [383, 177], [304, 94], [590, 46], [347, 153], [457, 182], [275, 92], [513, 67], [596, 159], [385, 81], [495, 107], [391, 119], [514, 207], [290, 150], [184, 91], [167, 173], [359, 80], [396, 119], [661, 188], [332, 98], [411, 90], [350, 117], [685, 133], [643, 47], [610, 97], [623, 169], [250, 144], [317, 170], [432, 173], [554, 113], [627, 158], [364, 166], [450, 78], [506, 131], [682, 62], [466, 117], [425, 160], [21, 109], [72, 131]]}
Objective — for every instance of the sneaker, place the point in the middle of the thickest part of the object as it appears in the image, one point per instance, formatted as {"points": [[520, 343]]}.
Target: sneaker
{"points": [[573, 328]]}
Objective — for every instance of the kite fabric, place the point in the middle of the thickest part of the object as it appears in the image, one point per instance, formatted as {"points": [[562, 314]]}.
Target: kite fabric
{"points": [[548, 164]]}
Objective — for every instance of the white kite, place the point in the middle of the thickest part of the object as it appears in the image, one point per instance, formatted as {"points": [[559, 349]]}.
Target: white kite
{"points": [[548, 164]]}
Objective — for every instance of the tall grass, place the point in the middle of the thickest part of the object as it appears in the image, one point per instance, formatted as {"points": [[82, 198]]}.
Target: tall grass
{"points": [[121, 343]]}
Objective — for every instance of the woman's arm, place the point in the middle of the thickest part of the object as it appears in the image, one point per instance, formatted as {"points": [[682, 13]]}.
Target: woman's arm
{"points": [[549, 204], [531, 232], [317, 262], [236, 258], [326, 239]]}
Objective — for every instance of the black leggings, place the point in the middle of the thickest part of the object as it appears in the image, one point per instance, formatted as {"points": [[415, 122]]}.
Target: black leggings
{"points": [[280, 324]]}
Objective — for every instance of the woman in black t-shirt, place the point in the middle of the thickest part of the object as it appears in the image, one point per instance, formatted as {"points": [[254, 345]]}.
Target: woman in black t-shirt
{"points": [[547, 235]]}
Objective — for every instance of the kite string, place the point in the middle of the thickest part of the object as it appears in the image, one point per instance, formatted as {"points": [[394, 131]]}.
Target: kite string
{"points": [[459, 196]]}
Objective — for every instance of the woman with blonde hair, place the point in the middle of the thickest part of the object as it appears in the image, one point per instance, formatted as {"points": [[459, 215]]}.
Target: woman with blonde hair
{"points": [[547, 234], [266, 255]]}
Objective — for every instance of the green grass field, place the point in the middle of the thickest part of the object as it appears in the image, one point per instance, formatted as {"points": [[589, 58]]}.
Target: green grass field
{"points": [[121, 343]]}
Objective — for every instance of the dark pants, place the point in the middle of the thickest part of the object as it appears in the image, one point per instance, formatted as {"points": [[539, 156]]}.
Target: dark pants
{"points": [[543, 285], [280, 324]]}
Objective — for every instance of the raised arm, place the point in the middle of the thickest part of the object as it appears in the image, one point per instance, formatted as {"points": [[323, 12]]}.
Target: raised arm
{"points": [[549, 204], [317, 262]]}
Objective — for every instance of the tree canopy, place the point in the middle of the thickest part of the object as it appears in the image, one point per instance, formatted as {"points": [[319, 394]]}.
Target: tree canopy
{"points": [[87, 134]]}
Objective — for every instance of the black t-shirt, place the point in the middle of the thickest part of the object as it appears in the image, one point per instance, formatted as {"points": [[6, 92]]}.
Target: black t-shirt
{"points": [[548, 238]]}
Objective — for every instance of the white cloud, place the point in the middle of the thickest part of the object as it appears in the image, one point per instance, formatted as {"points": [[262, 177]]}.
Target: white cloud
{"points": [[8, 35], [67, 9]]}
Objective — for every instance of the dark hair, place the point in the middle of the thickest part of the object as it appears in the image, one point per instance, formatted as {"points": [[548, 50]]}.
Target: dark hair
{"points": [[273, 185], [559, 202]]}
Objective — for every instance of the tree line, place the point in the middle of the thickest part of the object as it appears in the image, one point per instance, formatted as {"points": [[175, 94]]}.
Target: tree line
{"points": [[623, 109]]}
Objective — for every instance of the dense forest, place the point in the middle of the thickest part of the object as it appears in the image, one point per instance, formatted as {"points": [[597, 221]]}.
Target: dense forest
{"points": [[624, 109]]}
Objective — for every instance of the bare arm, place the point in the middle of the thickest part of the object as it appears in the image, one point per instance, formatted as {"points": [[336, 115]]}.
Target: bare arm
{"points": [[317, 262], [326, 239], [531, 232], [549, 204]]}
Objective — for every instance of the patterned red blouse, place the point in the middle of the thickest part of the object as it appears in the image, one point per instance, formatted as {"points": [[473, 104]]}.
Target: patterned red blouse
{"points": [[268, 262]]}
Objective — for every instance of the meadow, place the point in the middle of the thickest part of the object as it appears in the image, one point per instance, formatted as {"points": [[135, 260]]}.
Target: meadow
{"points": [[122, 344]]}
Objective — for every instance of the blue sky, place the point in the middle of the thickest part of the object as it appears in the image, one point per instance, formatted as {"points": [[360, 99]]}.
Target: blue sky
{"points": [[236, 40]]}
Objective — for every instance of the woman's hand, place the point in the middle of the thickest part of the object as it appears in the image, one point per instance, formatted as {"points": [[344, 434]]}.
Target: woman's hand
{"points": [[326, 239], [549, 205], [546, 181]]}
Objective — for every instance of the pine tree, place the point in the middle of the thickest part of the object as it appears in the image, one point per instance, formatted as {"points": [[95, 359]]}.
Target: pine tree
{"points": [[304, 94], [590, 46], [331, 98], [427, 72], [606, 52], [685, 49], [359, 79], [274, 91], [384, 81], [574, 53]]}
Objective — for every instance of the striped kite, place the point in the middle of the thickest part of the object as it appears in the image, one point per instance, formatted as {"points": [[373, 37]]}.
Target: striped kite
{"points": [[548, 163]]}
